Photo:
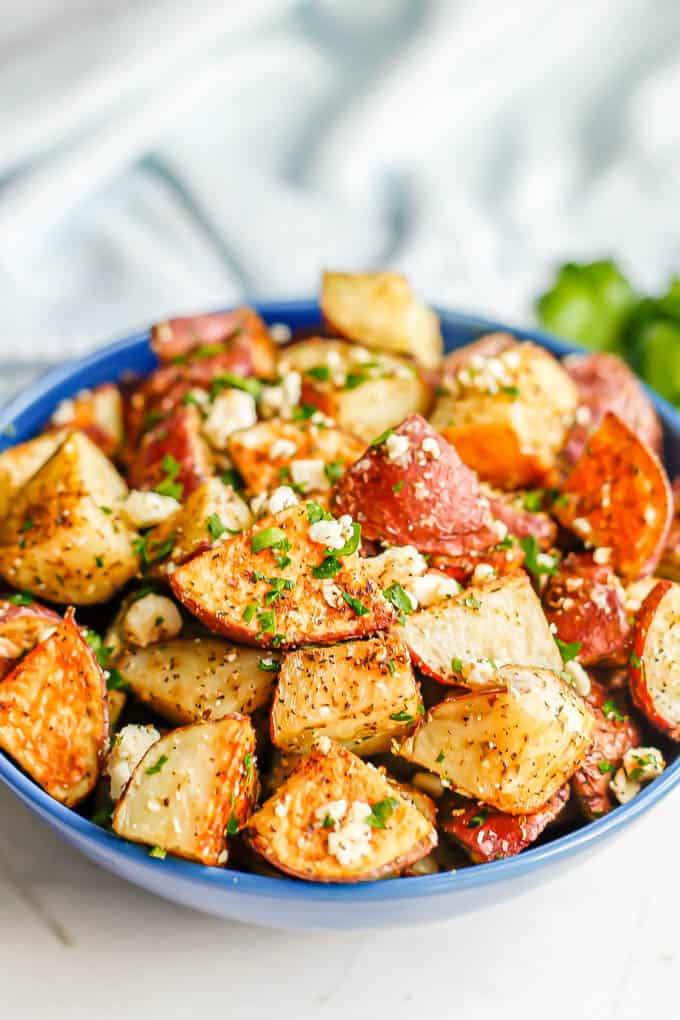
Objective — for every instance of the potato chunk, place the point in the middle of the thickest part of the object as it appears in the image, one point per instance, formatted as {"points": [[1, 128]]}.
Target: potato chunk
{"points": [[53, 714], [270, 585], [264, 455], [511, 745], [654, 671], [365, 392], [508, 415], [336, 819], [172, 458], [20, 462], [193, 788], [98, 413], [465, 639], [379, 310], [64, 538], [360, 693], [23, 624], [192, 679]]}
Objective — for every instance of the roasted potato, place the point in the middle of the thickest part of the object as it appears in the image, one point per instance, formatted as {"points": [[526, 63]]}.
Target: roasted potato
{"points": [[615, 732], [412, 488], [240, 333], [511, 745], [510, 509], [359, 693], [271, 585], [192, 789], [23, 624], [364, 392], [465, 639], [98, 413], [274, 453], [19, 463], [605, 383], [379, 310], [191, 679], [212, 513], [474, 355], [53, 714], [336, 819], [64, 538], [669, 565], [172, 458], [486, 834], [618, 497], [654, 671], [586, 603], [508, 415]]}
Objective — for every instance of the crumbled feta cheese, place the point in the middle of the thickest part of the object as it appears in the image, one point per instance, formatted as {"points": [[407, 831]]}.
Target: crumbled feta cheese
{"points": [[281, 399], [545, 560], [431, 588], [483, 572], [332, 594], [360, 354], [130, 746], [281, 809], [231, 410], [581, 526], [146, 509], [401, 564], [64, 412], [323, 744], [511, 358], [643, 763], [333, 534], [431, 446], [578, 677], [501, 529], [282, 447], [335, 810], [623, 788], [397, 448], [479, 671], [281, 499], [150, 619], [310, 474], [352, 840], [280, 332], [259, 503], [583, 415]]}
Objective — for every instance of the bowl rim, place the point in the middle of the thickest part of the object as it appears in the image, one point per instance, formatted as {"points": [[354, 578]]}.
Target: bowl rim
{"points": [[68, 821]]}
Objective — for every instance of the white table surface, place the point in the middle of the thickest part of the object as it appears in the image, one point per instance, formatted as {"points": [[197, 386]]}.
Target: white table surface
{"points": [[598, 943]]}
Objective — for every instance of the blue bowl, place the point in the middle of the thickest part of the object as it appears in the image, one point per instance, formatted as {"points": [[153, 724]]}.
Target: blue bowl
{"points": [[284, 903]]}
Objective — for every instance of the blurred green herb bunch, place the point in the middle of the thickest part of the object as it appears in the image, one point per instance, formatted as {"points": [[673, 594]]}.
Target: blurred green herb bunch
{"points": [[595, 305]]}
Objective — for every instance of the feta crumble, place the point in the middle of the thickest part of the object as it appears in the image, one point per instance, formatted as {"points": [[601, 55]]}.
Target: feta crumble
{"points": [[281, 399], [333, 534], [430, 446], [432, 588], [231, 410], [397, 448], [282, 448], [602, 555], [335, 810], [310, 474], [146, 509], [352, 840], [280, 332], [130, 746], [150, 619], [578, 677], [483, 572], [623, 788], [643, 763], [281, 499]]}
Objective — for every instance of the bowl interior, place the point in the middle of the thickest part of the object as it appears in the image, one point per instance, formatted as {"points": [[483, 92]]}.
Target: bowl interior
{"points": [[27, 413]]}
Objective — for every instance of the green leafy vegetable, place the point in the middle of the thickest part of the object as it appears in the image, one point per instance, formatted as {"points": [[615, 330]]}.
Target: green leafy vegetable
{"points": [[268, 538], [588, 303], [359, 608], [157, 766], [381, 812], [534, 560], [568, 651]]}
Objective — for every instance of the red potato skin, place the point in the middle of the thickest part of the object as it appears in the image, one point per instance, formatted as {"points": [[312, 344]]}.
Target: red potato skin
{"points": [[523, 523], [240, 329], [614, 456], [489, 346], [461, 568], [605, 383], [83, 421], [612, 737], [586, 603], [500, 835], [637, 679], [438, 506], [23, 626], [178, 436]]}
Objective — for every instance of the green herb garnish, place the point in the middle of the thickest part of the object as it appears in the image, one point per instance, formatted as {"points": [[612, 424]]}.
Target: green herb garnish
{"points": [[381, 812], [157, 766]]}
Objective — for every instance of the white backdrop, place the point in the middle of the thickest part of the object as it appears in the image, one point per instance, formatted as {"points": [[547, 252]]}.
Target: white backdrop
{"points": [[159, 156]]}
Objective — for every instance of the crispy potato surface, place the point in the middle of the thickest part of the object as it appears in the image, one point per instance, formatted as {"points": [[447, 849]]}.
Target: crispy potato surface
{"points": [[97, 412], [19, 463], [23, 624], [654, 671], [192, 789], [53, 714], [336, 819], [173, 451]]}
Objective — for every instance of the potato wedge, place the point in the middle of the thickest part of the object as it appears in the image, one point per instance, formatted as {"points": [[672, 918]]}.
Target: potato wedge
{"points": [[379, 310], [486, 834], [19, 463], [259, 587], [336, 819], [53, 714], [97, 412], [192, 789], [669, 565], [654, 671], [64, 538], [474, 355], [615, 733], [364, 392], [240, 332], [463, 640], [586, 603], [173, 453], [265, 453], [412, 488], [24, 623], [210, 515], [359, 693], [508, 415], [606, 383], [191, 679], [510, 510], [618, 497], [511, 745]]}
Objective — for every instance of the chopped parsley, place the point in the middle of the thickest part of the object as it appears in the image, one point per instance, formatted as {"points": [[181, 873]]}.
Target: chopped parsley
{"points": [[102, 652], [440, 757], [472, 602], [269, 538], [568, 651], [333, 470], [21, 598], [510, 391], [399, 599], [381, 812], [478, 819], [402, 716], [635, 661], [532, 551], [248, 760], [612, 711], [158, 852], [457, 665], [320, 372], [304, 412], [391, 666], [157, 766], [356, 379], [250, 611], [328, 823], [28, 524], [158, 551], [330, 566], [278, 586], [215, 526], [106, 510], [359, 608], [266, 619], [398, 486], [605, 767], [207, 351], [115, 681], [533, 500], [351, 545], [231, 477], [268, 665], [316, 513], [232, 825], [169, 486], [99, 560], [382, 437], [227, 380]]}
